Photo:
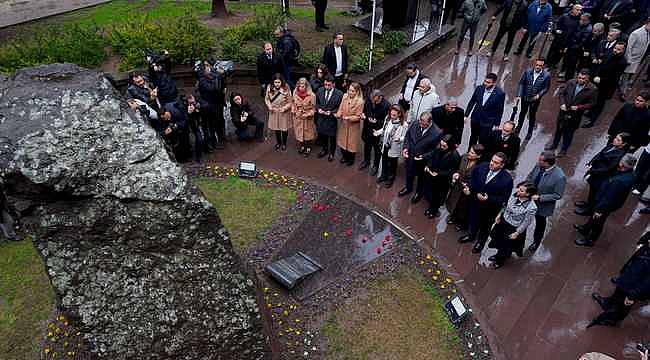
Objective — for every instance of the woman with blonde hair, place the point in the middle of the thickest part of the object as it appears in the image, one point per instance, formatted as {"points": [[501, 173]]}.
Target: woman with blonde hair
{"points": [[303, 109], [349, 130], [278, 101], [392, 138]]}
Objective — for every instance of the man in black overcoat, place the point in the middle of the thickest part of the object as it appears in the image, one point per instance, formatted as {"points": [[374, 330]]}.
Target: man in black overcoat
{"points": [[450, 119], [328, 100], [610, 197], [269, 63], [507, 141], [375, 111], [421, 138], [632, 286]]}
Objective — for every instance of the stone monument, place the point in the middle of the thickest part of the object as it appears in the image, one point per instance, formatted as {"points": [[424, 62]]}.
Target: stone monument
{"points": [[138, 259]]}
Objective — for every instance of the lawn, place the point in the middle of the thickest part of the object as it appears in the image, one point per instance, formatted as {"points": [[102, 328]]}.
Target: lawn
{"points": [[245, 207], [25, 300], [400, 318]]}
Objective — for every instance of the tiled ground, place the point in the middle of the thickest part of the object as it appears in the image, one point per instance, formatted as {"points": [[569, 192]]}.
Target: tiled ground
{"points": [[533, 308]]}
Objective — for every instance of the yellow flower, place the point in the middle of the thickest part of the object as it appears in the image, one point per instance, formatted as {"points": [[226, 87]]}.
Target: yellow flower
{"points": [[280, 334], [438, 272], [47, 350], [297, 320], [429, 270], [297, 332], [435, 278], [326, 234], [428, 257], [448, 280], [286, 313], [266, 289]]}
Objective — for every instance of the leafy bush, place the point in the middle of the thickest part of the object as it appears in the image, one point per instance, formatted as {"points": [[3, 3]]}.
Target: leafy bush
{"points": [[256, 31], [82, 45], [185, 38], [309, 59], [394, 41], [360, 58]]}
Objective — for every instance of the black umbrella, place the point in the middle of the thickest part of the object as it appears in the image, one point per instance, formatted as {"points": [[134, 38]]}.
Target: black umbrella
{"points": [[514, 111]]}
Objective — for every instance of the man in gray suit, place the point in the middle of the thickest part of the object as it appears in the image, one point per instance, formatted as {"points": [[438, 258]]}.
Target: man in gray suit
{"points": [[550, 182]]}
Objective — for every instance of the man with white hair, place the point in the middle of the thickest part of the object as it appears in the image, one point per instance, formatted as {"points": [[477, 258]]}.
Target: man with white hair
{"points": [[423, 100], [637, 45]]}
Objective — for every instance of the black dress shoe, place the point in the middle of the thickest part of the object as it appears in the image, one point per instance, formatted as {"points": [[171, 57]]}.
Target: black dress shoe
{"points": [[580, 204], [602, 301], [600, 322], [381, 179], [363, 165], [517, 52], [373, 171], [495, 265], [465, 239], [645, 210], [583, 211], [587, 125], [388, 184], [343, 160], [478, 247], [349, 163], [277, 147], [415, 198], [321, 154], [450, 220], [492, 258], [404, 192], [581, 229], [584, 242], [330, 157]]}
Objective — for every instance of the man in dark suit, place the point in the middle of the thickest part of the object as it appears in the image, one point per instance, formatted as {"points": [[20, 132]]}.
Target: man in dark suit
{"points": [[375, 111], [534, 84], [421, 138], [611, 196], [335, 57], [600, 168], [328, 100], [269, 63], [449, 118], [505, 140], [576, 96], [550, 182], [486, 108], [319, 14], [632, 285], [607, 75], [632, 118], [489, 188], [413, 77]]}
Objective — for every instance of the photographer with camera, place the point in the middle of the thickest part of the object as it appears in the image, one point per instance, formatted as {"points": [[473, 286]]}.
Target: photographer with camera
{"points": [[145, 112], [140, 89], [159, 74], [242, 117], [211, 90], [197, 125], [174, 131]]}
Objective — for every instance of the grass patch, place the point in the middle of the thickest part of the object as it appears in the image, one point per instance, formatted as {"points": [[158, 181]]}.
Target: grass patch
{"points": [[25, 300], [400, 318], [246, 208]]}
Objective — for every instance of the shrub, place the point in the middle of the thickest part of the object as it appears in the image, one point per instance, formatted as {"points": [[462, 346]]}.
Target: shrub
{"points": [[360, 58], [309, 59], [185, 38], [394, 41], [82, 45], [255, 31]]}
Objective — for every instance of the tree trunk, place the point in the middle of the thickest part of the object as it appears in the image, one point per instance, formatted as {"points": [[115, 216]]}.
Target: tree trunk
{"points": [[219, 8]]}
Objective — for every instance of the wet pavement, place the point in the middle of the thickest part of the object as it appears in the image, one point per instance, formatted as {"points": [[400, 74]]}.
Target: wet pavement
{"points": [[536, 307]]}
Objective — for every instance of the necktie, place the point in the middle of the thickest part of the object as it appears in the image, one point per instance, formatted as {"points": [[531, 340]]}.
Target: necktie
{"points": [[328, 93]]}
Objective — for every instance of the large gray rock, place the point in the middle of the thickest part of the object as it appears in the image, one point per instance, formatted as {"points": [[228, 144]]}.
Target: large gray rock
{"points": [[134, 252]]}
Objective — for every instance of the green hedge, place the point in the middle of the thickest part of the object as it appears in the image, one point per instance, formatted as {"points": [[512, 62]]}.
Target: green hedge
{"points": [[242, 43], [185, 38], [82, 45]]}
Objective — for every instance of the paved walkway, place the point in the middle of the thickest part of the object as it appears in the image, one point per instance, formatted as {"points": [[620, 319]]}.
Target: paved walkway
{"points": [[16, 11], [535, 307]]}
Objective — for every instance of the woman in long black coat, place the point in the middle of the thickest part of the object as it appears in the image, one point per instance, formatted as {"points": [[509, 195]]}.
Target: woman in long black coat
{"points": [[457, 200], [441, 163]]}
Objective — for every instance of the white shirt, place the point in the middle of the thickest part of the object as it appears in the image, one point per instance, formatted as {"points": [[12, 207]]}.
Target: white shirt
{"points": [[536, 75], [486, 95], [339, 60], [491, 175], [411, 84]]}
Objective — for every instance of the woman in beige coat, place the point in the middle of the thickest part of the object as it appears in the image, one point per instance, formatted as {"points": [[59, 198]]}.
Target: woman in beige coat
{"points": [[304, 106], [349, 131], [278, 101]]}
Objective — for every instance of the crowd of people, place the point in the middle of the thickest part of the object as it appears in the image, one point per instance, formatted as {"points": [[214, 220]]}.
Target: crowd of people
{"points": [[327, 112]]}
